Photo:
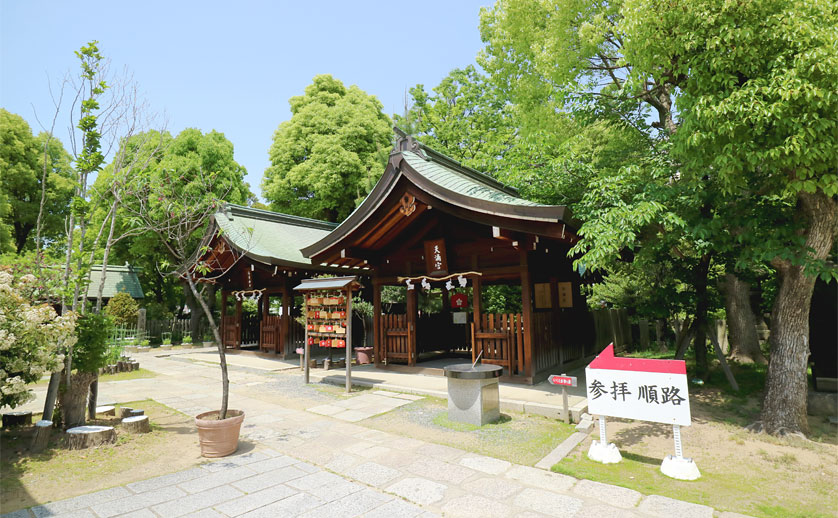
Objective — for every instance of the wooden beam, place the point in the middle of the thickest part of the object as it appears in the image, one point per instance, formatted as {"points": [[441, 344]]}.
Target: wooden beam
{"points": [[557, 318], [378, 346], [526, 302], [285, 321], [411, 325]]}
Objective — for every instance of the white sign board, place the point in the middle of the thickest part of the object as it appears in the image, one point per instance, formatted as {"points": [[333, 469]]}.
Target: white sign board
{"points": [[636, 388]]}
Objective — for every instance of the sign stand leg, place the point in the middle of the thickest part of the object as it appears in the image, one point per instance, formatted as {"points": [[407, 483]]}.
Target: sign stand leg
{"points": [[564, 403], [603, 451], [678, 466]]}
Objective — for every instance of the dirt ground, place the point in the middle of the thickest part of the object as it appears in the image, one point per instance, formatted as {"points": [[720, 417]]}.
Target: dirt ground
{"points": [[27, 480], [753, 474]]}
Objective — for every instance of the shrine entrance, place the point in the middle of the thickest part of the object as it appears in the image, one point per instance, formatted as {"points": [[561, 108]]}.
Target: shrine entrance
{"points": [[462, 267]]}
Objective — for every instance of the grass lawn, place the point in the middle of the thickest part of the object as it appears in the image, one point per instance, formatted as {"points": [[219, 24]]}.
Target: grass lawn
{"points": [[518, 438], [58, 473], [753, 474], [104, 378]]}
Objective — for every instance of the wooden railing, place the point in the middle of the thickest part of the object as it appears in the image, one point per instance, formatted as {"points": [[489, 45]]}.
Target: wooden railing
{"points": [[269, 335], [395, 340], [500, 339]]}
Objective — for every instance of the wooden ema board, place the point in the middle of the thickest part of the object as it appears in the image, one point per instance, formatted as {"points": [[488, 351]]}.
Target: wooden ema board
{"points": [[326, 318]]}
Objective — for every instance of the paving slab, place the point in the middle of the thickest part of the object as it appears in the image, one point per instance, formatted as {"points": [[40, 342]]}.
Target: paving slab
{"points": [[485, 464], [548, 502], [249, 502], [419, 490], [539, 478], [665, 507], [474, 506], [373, 474], [614, 495]]}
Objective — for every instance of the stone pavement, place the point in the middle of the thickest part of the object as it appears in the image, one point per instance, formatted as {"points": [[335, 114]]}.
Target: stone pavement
{"points": [[307, 464]]}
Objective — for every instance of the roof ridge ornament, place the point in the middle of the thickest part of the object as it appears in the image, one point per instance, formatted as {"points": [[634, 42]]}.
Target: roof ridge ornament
{"points": [[406, 142]]}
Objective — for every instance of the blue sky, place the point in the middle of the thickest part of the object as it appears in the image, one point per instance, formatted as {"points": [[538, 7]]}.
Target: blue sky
{"points": [[232, 66]]}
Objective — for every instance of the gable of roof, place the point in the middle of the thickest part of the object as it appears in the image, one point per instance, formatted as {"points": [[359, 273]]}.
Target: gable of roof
{"points": [[270, 237], [451, 182], [117, 279]]}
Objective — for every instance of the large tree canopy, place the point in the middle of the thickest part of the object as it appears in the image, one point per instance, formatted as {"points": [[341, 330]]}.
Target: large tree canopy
{"points": [[328, 156], [753, 137], [22, 158], [758, 104]]}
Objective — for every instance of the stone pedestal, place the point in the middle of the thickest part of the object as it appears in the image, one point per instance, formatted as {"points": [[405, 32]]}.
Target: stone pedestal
{"points": [[473, 396]]}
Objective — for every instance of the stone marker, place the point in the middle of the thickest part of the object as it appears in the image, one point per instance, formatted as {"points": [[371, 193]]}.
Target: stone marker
{"points": [[134, 412], [473, 395], [82, 437], [137, 424]]}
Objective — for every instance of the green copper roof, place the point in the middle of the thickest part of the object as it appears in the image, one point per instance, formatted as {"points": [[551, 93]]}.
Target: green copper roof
{"points": [[117, 279], [450, 174], [270, 237]]}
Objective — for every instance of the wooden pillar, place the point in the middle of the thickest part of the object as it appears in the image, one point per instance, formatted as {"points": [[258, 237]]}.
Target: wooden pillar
{"points": [[526, 304], [223, 326], [285, 319], [557, 318], [378, 344], [412, 299], [238, 341], [476, 286]]}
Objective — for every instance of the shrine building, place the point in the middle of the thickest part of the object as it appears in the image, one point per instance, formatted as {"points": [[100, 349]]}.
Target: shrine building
{"points": [[459, 266]]}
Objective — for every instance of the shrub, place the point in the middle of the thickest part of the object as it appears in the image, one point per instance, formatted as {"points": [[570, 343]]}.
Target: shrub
{"points": [[122, 309], [31, 339], [92, 349]]}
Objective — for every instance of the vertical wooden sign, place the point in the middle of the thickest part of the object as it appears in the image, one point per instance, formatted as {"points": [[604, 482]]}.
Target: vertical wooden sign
{"points": [[565, 295], [436, 258]]}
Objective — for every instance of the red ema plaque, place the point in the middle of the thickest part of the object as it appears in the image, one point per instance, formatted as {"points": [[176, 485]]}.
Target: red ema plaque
{"points": [[459, 300], [436, 259]]}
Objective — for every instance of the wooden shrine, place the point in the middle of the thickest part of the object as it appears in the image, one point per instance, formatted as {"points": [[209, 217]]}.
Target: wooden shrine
{"points": [[254, 255], [432, 225]]}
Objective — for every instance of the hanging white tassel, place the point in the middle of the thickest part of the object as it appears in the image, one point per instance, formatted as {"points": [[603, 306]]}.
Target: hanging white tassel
{"points": [[449, 285], [462, 280], [426, 285], [409, 284]]}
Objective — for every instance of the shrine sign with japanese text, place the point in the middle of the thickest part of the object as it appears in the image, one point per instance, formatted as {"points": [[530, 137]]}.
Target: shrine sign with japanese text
{"points": [[436, 258], [637, 388]]}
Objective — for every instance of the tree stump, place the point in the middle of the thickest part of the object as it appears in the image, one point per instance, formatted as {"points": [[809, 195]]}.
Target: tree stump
{"points": [[121, 366], [82, 437], [137, 424], [111, 369], [135, 366], [136, 412], [105, 410], [125, 412], [43, 431], [17, 419]]}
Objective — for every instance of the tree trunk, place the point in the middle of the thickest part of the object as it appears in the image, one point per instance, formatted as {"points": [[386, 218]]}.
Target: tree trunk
{"points": [[108, 244], [73, 399], [700, 324], [194, 313], [786, 387], [225, 381], [741, 324]]}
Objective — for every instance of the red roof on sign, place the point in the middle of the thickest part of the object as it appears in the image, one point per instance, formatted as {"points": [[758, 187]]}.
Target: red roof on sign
{"points": [[607, 360]]}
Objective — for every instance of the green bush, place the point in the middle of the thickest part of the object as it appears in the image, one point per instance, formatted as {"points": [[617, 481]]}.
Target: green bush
{"points": [[92, 349], [122, 309]]}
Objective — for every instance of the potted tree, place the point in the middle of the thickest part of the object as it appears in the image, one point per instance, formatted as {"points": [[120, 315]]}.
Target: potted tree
{"points": [[186, 342], [176, 206]]}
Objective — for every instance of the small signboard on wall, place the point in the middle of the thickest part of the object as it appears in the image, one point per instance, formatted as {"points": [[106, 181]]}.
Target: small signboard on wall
{"points": [[565, 294], [436, 258], [543, 300]]}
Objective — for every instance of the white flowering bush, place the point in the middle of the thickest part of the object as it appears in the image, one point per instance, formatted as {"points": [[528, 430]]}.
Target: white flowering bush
{"points": [[31, 339]]}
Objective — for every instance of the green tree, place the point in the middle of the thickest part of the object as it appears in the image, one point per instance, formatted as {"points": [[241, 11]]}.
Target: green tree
{"points": [[22, 158], [758, 109], [122, 309], [328, 156], [180, 166]]}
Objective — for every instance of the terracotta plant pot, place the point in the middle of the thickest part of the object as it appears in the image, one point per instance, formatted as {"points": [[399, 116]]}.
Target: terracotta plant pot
{"points": [[219, 438], [363, 355]]}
